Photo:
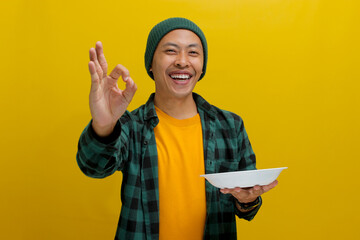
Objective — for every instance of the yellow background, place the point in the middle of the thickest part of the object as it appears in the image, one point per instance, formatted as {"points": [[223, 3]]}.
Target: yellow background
{"points": [[289, 68]]}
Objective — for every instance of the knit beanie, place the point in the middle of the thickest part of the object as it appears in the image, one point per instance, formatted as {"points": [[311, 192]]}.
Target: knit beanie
{"points": [[166, 26]]}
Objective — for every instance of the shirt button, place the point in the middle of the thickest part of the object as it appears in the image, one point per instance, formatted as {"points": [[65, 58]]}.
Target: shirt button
{"points": [[145, 142]]}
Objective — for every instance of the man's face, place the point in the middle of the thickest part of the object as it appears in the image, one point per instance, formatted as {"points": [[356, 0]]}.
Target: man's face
{"points": [[177, 64]]}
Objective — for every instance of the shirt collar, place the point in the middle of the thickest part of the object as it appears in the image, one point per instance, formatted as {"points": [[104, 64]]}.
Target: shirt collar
{"points": [[149, 108], [201, 104]]}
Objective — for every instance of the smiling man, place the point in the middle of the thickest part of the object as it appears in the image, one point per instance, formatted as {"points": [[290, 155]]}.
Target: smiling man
{"points": [[163, 146]]}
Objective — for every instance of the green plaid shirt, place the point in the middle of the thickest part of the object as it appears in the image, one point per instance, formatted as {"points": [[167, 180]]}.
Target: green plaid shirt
{"points": [[132, 149]]}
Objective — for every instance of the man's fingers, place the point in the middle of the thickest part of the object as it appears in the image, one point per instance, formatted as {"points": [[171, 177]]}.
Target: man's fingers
{"points": [[94, 76], [232, 190], [92, 70], [92, 54], [270, 186], [257, 191], [130, 89], [224, 190], [118, 71], [248, 194], [101, 58], [94, 58]]}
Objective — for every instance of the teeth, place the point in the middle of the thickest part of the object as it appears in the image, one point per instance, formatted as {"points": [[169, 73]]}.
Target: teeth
{"points": [[180, 76]]}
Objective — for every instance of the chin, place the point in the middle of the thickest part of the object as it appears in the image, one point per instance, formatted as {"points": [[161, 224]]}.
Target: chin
{"points": [[181, 95]]}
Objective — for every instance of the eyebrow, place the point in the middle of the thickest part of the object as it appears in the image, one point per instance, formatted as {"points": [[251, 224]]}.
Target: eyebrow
{"points": [[177, 46]]}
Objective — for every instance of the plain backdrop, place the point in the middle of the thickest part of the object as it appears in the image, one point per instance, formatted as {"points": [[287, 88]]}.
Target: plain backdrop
{"points": [[289, 68]]}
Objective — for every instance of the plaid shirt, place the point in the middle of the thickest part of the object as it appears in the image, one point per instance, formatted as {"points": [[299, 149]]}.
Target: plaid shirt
{"points": [[131, 148]]}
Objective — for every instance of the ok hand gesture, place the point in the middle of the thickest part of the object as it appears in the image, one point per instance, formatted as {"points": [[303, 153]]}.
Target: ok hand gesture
{"points": [[107, 102]]}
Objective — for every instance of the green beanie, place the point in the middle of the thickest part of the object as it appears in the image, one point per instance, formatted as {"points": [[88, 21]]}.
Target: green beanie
{"points": [[166, 26]]}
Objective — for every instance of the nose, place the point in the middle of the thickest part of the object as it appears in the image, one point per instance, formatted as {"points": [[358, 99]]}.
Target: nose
{"points": [[182, 60]]}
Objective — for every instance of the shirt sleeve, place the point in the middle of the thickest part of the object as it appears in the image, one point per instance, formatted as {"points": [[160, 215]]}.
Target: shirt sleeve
{"points": [[247, 162], [247, 215], [100, 157]]}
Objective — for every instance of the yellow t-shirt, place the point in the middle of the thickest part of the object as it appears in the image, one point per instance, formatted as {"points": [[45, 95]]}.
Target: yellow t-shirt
{"points": [[182, 199]]}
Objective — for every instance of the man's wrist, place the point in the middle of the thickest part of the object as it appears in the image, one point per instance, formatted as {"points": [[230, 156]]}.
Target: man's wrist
{"points": [[245, 207], [108, 139], [103, 131]]}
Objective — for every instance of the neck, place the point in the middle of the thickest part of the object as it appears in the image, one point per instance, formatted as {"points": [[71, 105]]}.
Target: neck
{"points": [[181, 108]]}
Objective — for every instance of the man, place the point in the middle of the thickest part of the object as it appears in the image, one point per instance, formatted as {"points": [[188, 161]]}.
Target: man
{"points": [[163, 146]]}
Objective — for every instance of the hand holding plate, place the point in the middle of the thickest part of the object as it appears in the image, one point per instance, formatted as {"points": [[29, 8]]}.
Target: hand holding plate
{"points": [[246, 195]]}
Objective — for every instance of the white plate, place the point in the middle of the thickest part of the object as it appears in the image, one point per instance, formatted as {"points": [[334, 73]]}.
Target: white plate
{"points": [[247, 178]]}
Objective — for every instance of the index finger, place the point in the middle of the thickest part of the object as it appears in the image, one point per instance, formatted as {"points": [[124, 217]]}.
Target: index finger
{"points": [[118, 71]]}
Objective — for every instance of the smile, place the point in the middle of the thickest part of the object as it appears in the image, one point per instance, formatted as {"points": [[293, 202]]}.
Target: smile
{"points": [[180, 76]]}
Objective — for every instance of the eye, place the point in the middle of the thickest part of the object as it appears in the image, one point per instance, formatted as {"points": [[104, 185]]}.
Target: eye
{"points": [[170, 51], [194, 53]]}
